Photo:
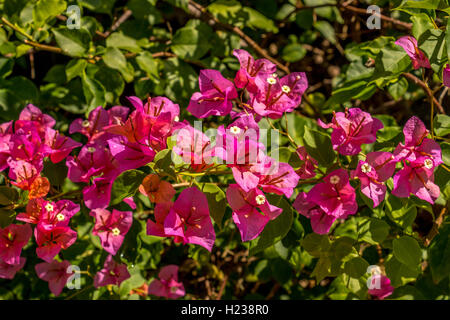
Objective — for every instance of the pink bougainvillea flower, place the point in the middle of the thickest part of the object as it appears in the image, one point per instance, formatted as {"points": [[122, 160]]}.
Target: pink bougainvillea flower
{"points": [[33, 113], [111, 228], [39, 188], [277, 96], [12, 239], [156, 106], [250, 68], [306, 170], [335, 195], [8, 271], [26, 145], [157, 190], [50, 241], [416, 179], [418, 58], [215, 96], [130, 155], [130, 202], [60, 145], [167, 285], [251, 211], [238, 143], [93, 126], [98, 195], [189, 219], [195, 148], [113, 273], [277, 177], [380, 286], [57, 214], [6, 131], [446, 76], [55, 273], [156, 228], [417, 147], [33, 211], [351, 129], [378, 167], [321, 222], [93, 160]]}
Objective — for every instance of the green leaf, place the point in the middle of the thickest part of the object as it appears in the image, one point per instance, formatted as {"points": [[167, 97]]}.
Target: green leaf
{"points": [[163, 162], [74, 43], [447, 39], [121, 41], [398, 88], [44, 10], [407, 251], [6, 67], [439, 254], [126, 185], [192, 42], [93, 91], [8, 196], [319, 146], [442, 125], [55, 172], [148, 64], [114, 59], [356, 267], [275, 230], [216, 201], [401, 211], [293, 52], [316, 244], [373, 230], [75, 68], [256, 19], [432, 42], [6, 217], [399, 273], [327, 30]]}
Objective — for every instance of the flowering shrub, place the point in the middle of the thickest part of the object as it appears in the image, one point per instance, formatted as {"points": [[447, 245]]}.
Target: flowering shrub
{"points": [[141, 200]]}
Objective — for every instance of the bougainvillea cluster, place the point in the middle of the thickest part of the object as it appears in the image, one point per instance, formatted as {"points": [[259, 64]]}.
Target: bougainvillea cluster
{"points": [[121, 138]]}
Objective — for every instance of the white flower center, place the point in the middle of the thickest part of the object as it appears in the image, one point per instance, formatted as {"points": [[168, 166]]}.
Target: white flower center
{"points": [[428, 163], [177, 118], [274, 75], [49, 207], [235, 130], [86, 124], [91, 149], [271, 80], [298, 77], [366, 168], [334, 180], [115, 231], [260, 199], [286, 89], [60, 217]]}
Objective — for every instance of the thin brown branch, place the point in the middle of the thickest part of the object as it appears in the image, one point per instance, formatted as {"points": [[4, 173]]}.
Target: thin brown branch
{"points": [[427, 90], [200, 11], [435, 229], [44, 47], [222, 287], [383, 17], [124, 17]]}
